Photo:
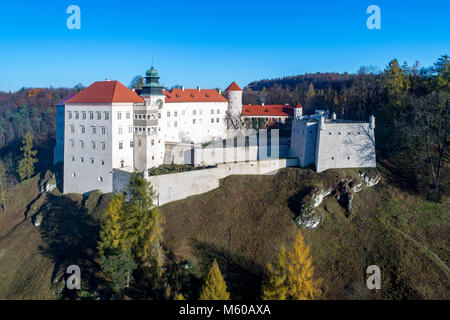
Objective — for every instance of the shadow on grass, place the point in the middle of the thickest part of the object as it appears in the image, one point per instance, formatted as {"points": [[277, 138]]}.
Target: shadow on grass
{"points": [[242, 276], [70, 235]]}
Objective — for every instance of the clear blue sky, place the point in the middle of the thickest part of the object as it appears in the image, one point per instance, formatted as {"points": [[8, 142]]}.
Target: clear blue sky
{"points": [[211, 43]]}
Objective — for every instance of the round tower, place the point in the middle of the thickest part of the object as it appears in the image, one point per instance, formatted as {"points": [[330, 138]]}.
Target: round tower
{"points": [[234, 95], [298, 111]]}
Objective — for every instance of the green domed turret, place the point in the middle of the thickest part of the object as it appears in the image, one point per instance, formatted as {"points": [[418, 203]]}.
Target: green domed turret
{"points": [[151, 85]]}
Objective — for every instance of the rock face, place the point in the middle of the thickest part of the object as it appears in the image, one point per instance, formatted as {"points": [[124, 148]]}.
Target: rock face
{"points": [[47, 184], [343, 191]]}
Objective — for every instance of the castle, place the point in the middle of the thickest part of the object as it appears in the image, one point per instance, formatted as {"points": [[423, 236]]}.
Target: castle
{"points": [[107, 129]]}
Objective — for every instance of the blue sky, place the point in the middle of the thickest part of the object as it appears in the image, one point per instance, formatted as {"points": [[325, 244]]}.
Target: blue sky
{"points": [[211, 43]]}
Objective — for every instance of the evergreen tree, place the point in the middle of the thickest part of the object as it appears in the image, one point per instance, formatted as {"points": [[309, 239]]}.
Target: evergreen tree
{"points": [[215, 287], [300, 277], [143, 223], [277, 288], [3, 187], [119, 267], [26, 164], [179, 297]]}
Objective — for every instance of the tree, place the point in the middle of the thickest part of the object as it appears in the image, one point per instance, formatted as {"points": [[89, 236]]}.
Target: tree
{"points": [[112, 234], [137, 82], [277, 288], [179, 297], [143, 223], [26, 164], [3, 188], [119, 267], [215, 287], [300, 278]]}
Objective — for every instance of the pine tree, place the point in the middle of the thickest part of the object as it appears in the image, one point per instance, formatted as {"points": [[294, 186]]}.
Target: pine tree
{"points": [[26, 164], [143, 223], [300, 278], [215, 287], [277, 288], [119, 267], [3, 188]]}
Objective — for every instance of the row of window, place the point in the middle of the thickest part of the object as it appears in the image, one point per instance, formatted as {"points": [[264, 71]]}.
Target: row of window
{"points": [[74, 175], [92, 161], [339, 133], [194, 112], [94, 144], [84, 115]]}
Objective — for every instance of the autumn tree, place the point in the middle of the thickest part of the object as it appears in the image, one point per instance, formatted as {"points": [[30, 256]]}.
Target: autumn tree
{"points": [[300, 272], [277, 289], [215, 287], [119, 265], [143, 223], [26, 164]]}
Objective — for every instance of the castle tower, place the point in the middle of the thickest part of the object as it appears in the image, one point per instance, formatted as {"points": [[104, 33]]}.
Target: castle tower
{"points": [[149, 146], [234, 95], [298, 111]]}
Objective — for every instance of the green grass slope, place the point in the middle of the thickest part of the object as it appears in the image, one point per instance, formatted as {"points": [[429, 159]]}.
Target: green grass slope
{"points": [[243, 223]]}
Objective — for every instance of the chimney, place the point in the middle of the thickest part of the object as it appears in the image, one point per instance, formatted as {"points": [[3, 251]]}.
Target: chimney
{"points": [[333, 116], [182, 88], [198, 88]]}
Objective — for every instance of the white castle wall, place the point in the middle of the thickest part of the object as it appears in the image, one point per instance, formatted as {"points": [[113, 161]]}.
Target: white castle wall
{"points": [[177, 186], [345, 145]]}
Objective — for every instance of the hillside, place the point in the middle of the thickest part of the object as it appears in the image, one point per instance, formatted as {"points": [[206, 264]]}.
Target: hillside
{"points": [[242, 224]]}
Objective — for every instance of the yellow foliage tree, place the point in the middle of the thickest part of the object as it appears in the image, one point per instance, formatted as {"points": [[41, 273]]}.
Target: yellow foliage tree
{"points": [[112, 235], [300, 272], [215, 287], [277, 289]]}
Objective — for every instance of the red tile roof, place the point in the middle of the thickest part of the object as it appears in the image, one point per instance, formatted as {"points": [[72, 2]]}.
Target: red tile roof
{"points": [[270, 110], [106, 92], [233, 87], [193, 95]]}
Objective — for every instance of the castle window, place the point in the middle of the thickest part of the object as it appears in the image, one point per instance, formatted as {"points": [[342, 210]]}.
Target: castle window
{"points": [[175, 124], [359, 132], [153, 157], [92, 160], [103, 130], [73, 174], [212, 111], [168, 114], [81, 144], [193, 121], [77, 115], [128, 115], [218, 111], [103, 162], [94, 130], [131, 144], [130, 129], [120, 145], [348, 133], [194, 112], [106, 114], [93, 144], [81, 159], [103, 146], [69, 114], [212, 120], [72, 143], [120, 130], [91, 115], [332, 158], [99, 115], [153, 142], [339, 132], [84, 115], [82, 129], [73, 159], [348, 158], [329, 133], [175, 113], [119, 115], [217, 120], [159, 115], [100, 179], [135, 116]]}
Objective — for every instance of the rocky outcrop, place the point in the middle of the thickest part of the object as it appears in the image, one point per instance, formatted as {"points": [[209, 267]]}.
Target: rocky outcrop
{"points": [[47, 184], [344, 191]]}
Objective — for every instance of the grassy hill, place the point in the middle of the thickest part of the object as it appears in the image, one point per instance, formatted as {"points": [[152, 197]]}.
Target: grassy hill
{"points": [[242, 224]]}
